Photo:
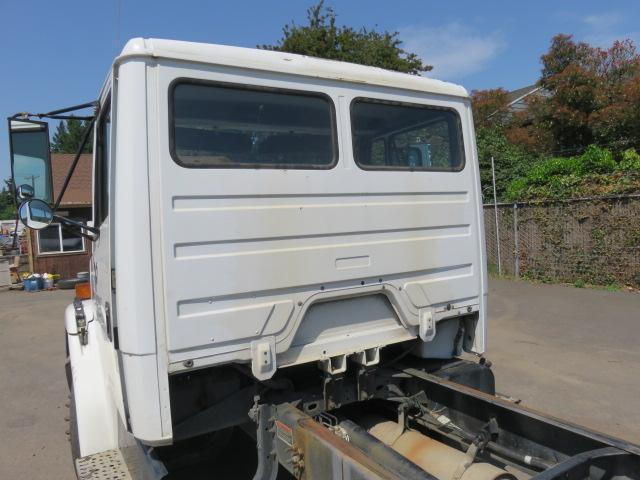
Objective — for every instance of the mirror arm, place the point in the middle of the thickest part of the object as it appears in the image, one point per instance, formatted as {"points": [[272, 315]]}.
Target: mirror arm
{"points": [[95, 103], [70, 117], [72, 229], [75, 223], [55, 114], [87, 134]]}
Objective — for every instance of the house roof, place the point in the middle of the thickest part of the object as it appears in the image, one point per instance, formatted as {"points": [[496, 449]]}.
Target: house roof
{"points": [[280, 62], [78, 192], [521, 92]]}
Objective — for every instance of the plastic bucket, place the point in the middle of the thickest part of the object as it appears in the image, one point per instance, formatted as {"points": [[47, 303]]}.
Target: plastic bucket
{"points": [[32, 284]]}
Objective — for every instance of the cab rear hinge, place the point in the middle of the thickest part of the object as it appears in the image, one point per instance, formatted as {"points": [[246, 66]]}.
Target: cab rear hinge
{"points": [[427, 325], [263, 358], [113, 280]]}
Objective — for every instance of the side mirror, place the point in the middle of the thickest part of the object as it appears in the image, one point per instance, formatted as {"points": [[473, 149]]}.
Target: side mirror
{"points": [[30, 159], [25, 192], [35, 214]]}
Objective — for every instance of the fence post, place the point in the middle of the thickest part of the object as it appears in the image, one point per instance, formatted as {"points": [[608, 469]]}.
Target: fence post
{"points": [[495, 209], [516, 241]]}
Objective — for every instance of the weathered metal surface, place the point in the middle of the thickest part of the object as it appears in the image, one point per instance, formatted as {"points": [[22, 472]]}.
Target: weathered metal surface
{"points": [[375, 449], [267, 458], [108, 465], [310, 451], [440, 460]]}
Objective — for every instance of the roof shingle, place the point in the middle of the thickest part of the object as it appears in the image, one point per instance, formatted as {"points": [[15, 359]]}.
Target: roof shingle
{"points": [[78, 192]]}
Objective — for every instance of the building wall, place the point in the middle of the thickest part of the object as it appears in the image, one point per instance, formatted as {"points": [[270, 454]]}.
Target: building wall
{"points": [[67, 265]]}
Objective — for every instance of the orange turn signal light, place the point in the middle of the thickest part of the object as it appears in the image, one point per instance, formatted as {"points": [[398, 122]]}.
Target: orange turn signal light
{"points": [[83, 291]]}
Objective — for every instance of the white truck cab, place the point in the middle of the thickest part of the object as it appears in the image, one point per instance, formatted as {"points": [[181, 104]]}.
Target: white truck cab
{"points": [[269, 229]]}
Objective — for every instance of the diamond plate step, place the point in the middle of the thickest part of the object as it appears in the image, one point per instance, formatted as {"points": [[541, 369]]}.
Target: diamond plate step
{"points": [[107, 465]]}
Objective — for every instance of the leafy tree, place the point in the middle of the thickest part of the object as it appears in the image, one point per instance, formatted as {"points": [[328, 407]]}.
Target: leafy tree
{"points": [[587, 120], [491, 118], [511, 161], [489, 107], [593, 96], [321, 37], [7, 204], [68, 137]]}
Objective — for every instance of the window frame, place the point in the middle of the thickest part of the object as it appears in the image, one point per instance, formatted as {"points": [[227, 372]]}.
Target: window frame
{"points": [[394, 168], [241, 86], [101, 184], [61, 252]]}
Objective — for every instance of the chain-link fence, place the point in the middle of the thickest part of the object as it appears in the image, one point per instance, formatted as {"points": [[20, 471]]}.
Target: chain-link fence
{"points": [[592, 240]]}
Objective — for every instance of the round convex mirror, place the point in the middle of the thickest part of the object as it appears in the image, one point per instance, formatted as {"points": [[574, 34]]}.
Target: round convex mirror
{"points": [[35, 214]]}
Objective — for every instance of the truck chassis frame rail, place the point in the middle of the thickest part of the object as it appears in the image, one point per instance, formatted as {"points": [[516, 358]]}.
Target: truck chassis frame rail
{"points": [[328, 446]]}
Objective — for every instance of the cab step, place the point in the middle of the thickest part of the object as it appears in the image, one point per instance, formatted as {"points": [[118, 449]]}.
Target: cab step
{"points": [[107, 465]]}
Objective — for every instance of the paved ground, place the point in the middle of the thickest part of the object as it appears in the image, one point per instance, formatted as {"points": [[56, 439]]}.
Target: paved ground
{"points": [[572, 353], [33, 390]]}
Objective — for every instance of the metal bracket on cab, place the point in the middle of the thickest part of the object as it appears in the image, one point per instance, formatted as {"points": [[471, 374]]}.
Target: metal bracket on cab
{"points": [[81, 322], [263, 358], [427, 324], [368, 357], [333, 365]]}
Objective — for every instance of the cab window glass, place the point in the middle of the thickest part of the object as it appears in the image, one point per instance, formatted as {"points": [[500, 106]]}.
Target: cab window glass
{"points": [[400, 136], [221, 126]]}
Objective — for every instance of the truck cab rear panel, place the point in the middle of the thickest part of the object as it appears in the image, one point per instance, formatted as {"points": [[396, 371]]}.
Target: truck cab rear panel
{"points": [[252, 255]]}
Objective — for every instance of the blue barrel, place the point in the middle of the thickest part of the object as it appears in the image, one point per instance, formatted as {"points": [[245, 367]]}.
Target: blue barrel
{"points": [[32, 284]]}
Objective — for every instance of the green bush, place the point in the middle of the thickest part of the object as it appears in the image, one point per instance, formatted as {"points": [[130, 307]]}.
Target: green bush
{"points": [[511, 161], [542, 171], [595, 160], [630, 161], [594, 172], [516, 188]]}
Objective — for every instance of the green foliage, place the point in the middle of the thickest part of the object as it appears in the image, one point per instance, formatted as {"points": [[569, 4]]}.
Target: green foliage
{"points": [[68, 137], [612, 287], [593, 95], [511, 161], [589, 105], [595, 172], [630, 161], [321, 37], [594, 160], [579, 283], [7, 204]]}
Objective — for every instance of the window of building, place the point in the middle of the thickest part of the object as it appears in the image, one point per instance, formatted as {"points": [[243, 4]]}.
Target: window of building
{"points": [[224, 126], [402, 136], [57, 239]]}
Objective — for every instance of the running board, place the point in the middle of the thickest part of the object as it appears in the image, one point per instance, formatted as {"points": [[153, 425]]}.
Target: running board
{"points": [[107, 465]]}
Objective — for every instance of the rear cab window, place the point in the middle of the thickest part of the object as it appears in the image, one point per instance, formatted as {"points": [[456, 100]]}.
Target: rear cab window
{"points": [[217, 125], [406, 136]]}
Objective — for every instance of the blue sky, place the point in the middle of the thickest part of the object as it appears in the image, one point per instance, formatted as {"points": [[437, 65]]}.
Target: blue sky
{"points": [[56, 53]]}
